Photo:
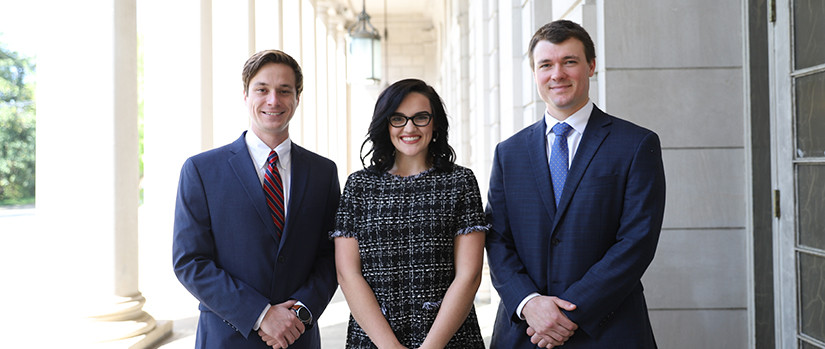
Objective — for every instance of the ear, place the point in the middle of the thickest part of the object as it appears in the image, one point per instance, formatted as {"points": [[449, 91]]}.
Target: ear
{"points": [[592, 67]]}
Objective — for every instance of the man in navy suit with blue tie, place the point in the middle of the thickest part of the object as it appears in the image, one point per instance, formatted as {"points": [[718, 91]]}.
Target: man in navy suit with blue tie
{"points": [[251, 223], [576, 204]]}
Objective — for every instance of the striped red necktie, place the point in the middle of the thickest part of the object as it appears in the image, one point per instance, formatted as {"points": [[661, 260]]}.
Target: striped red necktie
{"points": [[273, 188]]}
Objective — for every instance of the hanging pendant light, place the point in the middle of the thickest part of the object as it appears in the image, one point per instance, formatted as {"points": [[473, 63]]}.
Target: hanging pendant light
{"points": [[364, 50]]}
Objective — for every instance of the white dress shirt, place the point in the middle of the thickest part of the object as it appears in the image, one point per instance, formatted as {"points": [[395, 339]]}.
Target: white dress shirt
{"points": [[578, 121]]}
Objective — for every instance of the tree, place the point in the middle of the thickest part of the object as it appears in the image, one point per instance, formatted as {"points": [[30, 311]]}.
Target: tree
{"points": [[17, 126]]}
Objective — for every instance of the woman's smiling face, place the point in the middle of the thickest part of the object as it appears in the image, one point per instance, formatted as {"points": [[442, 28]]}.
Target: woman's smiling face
{"points": [[410, 140]]}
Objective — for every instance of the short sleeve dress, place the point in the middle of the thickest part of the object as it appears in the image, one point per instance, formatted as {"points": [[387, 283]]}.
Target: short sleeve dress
{"points": [[405, 227]]}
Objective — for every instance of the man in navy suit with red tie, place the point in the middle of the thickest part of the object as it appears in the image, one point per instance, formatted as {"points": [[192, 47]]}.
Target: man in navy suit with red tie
{"points": [[576, 204], [251, 223]]}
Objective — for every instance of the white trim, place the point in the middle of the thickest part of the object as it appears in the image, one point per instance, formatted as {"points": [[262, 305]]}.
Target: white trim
{"points": [[785, 275], [601, 60], [749, 228]]}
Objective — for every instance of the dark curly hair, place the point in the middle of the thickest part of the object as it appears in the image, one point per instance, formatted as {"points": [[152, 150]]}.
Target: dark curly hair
{"points": [[441, 154]]}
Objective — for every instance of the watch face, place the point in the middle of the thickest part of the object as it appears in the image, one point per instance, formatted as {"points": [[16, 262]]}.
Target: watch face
{"points": [[303, 314]]}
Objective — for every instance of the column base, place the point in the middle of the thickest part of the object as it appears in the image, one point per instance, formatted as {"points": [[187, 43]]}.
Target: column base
{"points": [[128, 326]]}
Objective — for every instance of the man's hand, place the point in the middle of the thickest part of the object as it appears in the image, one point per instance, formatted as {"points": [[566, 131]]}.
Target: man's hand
{"points": [[280, 327], [548, 326]]}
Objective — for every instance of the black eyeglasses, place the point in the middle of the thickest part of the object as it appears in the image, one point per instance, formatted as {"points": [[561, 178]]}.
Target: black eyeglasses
{"points": [[421, 119]]}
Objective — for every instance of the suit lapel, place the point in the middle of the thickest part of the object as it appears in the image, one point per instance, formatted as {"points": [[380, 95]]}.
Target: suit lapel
{"points": [[537, 151], [595, 133], [300, 173], [244, 169]]}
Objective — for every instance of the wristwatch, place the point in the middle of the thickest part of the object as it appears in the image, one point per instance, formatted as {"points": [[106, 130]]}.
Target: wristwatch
{"points": [[302, 313]]}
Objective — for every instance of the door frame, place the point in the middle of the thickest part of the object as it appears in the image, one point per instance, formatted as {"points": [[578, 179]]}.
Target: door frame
{"points": [[782, 120]]}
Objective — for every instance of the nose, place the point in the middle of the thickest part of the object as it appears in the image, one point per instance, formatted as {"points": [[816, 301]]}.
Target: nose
{"points": [[410, 126], [557, 72], [271, 98]]}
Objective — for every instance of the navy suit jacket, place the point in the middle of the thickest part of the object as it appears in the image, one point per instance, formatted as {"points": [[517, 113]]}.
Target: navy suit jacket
{"points": [[593, 249], [224, 247]]}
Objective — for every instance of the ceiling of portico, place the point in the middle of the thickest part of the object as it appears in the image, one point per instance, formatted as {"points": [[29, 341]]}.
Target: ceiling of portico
{"points": [[394, 9]]}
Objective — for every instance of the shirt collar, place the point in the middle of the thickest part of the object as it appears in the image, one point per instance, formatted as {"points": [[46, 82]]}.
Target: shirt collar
{"points": [[578, 120], [260, 151]]}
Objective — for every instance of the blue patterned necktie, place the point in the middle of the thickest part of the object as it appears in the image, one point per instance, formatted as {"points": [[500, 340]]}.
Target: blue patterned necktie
{"points": [[558, 159]]}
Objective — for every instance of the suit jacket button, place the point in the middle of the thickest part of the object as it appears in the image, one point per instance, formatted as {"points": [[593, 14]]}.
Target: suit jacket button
{"points": [[555, 241], [281, 259]]}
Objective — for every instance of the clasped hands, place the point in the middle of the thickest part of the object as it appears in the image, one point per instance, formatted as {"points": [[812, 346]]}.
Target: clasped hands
{"points": [[280, 327], [547, 325]]}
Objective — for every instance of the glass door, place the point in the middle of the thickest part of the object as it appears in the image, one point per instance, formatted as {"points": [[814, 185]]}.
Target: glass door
{"points": [[799, 170]]}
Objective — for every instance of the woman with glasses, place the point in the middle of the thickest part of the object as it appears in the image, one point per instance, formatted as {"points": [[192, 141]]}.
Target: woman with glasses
{"points": [[409, 235]]}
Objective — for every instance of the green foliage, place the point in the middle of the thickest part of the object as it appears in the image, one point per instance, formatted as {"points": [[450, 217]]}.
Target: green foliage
{"points": [[17, 127], [13, 73]]}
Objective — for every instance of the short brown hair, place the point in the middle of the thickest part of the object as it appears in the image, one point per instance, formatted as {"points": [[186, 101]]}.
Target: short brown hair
{"points": [[559, 31], [258, 60]]}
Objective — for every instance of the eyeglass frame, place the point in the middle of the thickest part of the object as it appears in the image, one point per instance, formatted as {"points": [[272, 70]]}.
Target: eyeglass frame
{"points": [[407, 119]]}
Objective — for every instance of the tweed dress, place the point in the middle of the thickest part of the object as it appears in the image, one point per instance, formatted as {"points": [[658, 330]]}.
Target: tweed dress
{"points": [[405, 227]]}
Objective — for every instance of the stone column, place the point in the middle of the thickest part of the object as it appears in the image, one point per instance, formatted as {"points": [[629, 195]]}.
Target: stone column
{"points": [[233, 23], [268, 24], [178, 123], [340, 143], [87, 177]]}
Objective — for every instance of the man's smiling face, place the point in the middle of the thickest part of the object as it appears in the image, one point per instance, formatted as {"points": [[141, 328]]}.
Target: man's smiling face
{"points": [[272, 99]]}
